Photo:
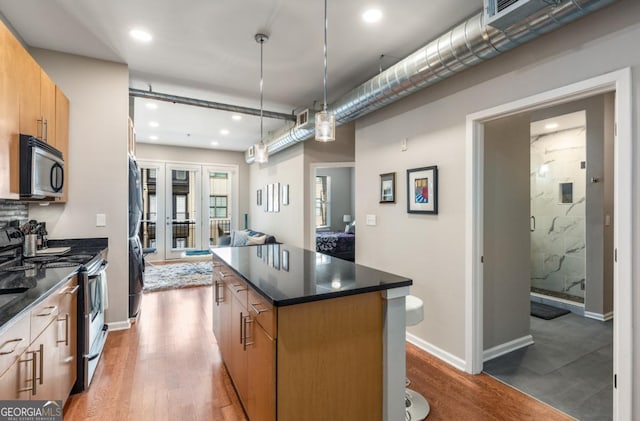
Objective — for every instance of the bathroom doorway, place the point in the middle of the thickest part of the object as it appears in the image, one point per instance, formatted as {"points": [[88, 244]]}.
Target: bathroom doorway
{"points": [[483, 305]]}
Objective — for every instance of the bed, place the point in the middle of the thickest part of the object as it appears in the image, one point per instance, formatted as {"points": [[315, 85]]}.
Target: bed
{"points": [[336, 243]]}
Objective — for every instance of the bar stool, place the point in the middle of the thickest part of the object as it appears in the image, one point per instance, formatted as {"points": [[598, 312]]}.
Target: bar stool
{"points": [[417, 407]]}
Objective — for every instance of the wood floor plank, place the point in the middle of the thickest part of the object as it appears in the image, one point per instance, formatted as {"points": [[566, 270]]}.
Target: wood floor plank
{"points": [[168, 367]]}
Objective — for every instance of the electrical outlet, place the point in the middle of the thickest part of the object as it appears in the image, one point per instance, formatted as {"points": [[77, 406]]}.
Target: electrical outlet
{"points": [[101, 220], [403, 144]]}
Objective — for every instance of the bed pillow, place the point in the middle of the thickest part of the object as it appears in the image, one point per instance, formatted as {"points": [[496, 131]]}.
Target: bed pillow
{"points": [[256, 239]]}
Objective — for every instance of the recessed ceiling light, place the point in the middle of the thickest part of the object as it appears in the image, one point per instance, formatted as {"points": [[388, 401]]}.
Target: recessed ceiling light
{"points": [[372, 15], [140, 35], [551, 126], [151, 106], [153, 124], [214, 143], [236, 117], [153, 137], [224, 132]]}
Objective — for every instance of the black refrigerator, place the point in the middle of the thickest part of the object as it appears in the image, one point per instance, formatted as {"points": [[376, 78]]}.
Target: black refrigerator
{"points": [[136, 261]]}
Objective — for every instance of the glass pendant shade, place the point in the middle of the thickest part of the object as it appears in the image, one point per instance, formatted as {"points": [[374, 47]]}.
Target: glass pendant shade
{"points": [[325, 126], [262, 154]]}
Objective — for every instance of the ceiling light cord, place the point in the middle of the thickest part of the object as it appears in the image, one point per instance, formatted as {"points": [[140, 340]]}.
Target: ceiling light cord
{"points": [[261, 150], [325, 56]]}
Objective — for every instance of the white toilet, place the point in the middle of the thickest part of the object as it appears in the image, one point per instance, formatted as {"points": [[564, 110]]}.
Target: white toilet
{"points": [[417, 407]]}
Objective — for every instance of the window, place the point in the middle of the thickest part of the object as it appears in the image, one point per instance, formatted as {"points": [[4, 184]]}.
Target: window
{"points": [[180, 207], [323, 205], [218, 206]]}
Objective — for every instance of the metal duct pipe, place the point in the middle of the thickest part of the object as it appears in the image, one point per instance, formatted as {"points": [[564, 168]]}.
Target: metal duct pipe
{"points": [[458, 49], [139, 93]]}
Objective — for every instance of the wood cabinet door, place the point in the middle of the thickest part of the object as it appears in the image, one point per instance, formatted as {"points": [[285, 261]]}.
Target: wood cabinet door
{"points": [[45, 348], [261, 375], [48, 107], [62, 137], [13, 382], [28, 78], [67, 336], [237, 356], [10, 120]]}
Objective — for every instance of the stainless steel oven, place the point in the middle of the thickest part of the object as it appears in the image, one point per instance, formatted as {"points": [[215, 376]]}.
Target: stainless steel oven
{"points": [[92, 330]]}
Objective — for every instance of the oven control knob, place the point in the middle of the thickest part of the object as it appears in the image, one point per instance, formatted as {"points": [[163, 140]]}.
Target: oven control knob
{"points": [[15, 234]]}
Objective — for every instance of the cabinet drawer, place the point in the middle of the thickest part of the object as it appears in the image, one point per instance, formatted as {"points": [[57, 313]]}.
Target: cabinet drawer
{"points": [[13, 342], [237, 286], [263, 312], [43, 314]]}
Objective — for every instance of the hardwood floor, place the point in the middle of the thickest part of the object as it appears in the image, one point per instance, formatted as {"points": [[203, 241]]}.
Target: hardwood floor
{"points": [[167, 367]]}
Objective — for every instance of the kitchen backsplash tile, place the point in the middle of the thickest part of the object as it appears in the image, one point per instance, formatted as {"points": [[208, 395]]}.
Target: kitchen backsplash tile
{"points": [[10, 211]]}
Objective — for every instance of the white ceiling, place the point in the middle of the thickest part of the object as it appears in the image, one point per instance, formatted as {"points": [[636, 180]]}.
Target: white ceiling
{"points": [[559, 123], [205, 49]]}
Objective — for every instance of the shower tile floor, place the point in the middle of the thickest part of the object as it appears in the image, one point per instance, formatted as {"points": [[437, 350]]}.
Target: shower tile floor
{"points": [[570, 366]]}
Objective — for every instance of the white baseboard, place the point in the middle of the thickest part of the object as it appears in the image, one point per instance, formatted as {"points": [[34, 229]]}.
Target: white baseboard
{"points": [[599, 316], [124, 325], [507, 347], [448, 358]]}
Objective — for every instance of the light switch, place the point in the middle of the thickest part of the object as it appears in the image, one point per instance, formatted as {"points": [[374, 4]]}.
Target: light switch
{"points": [[101, 220], [371, 220], [403, 144]]}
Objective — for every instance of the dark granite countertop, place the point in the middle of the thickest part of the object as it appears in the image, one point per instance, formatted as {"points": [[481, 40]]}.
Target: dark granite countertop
{"points": [[287, 275], [46, 280]]}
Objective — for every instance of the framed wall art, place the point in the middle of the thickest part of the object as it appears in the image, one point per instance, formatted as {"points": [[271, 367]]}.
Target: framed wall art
{"points": [[388, 188], [422, 190], [259, 197], [276, 197], [285, 194]]}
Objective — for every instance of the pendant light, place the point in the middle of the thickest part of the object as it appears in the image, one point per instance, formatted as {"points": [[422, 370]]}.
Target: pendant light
{"points": [[325, 120], [262, 153]]}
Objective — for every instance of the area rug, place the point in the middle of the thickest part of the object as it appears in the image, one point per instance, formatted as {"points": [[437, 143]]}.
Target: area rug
{"points": [[546, 312], [177, 275]]}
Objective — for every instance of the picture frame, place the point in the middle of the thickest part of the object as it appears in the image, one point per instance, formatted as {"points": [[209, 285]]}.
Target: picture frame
{"points": [[276, 197], [285, 194], [265, 199], [259, 197], [269, 197], [388, 188], [285, 260], [422, 190]]}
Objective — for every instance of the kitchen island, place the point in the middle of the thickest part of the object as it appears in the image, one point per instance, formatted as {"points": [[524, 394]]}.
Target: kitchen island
{"points": [[309, 336]]}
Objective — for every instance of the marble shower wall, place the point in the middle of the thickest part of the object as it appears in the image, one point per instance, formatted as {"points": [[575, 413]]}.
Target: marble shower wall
{"points": [[558, 242]]}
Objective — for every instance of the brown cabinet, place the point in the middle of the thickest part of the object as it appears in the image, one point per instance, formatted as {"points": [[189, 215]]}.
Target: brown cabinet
{"points": [[247, 350], [67, 336], [38, 351], [304, 361], [9, 115], [30, 103]]}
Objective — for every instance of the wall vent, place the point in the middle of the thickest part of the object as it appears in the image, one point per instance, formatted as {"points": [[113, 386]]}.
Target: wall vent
{"points": [[502, 14], [302, 118]]}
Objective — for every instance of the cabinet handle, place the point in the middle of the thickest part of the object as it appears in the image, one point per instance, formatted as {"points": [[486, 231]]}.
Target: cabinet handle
{"points": [[221, 274], [40, 124], [66, 330], [46, 131], [246, 321], [53, 310], [239, 287], [257, 310], [12, 341], [41, 363], [31, 360], [216, 295], [241, 326], [72, 291]]}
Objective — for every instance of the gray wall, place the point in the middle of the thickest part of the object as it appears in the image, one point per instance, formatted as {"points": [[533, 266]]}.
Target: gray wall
{"points": [[341, 195], [98, 93], [507, 248], [599, 284]]}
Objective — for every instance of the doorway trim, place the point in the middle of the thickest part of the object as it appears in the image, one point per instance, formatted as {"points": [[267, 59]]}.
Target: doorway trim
{"points": [[311, 228], [619, 82]]}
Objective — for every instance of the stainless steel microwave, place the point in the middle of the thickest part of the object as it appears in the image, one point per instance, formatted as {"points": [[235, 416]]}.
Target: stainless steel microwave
{"points": [[41, 169]]}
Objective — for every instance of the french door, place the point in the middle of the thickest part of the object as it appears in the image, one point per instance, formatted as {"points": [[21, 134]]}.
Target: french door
{"points": [[186, 207]]}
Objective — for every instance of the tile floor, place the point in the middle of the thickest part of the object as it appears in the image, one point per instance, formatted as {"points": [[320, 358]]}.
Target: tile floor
{"points": [[570, 366]]}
